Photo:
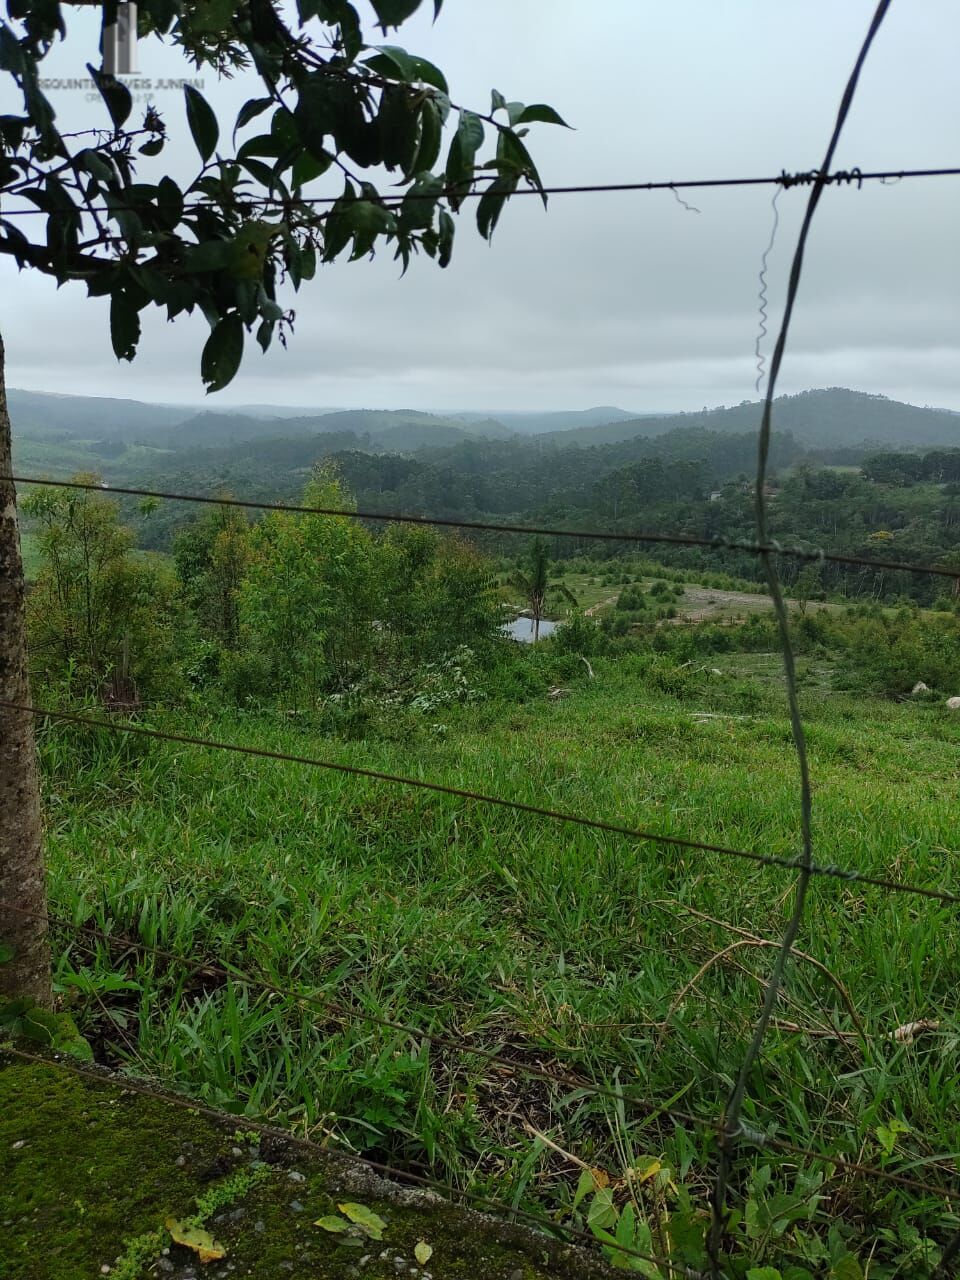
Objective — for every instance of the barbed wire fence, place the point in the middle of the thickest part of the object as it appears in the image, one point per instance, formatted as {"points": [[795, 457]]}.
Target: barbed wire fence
{"points": [[730, 1132]]}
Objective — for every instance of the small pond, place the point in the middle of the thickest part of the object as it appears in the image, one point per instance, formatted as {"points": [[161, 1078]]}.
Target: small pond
{"points": [[522, 629]]}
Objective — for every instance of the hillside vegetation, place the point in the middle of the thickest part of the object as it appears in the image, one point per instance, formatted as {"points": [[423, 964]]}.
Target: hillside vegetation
{"points": [[380, 915]]}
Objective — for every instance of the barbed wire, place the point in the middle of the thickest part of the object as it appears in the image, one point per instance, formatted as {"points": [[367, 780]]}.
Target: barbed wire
{"points": [[649, 1106], [829, 870], [783, 180], [717, 543]]}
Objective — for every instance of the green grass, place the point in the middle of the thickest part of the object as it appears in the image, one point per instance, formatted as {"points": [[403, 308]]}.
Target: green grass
{"points": [[31, 554], [562, 946]]}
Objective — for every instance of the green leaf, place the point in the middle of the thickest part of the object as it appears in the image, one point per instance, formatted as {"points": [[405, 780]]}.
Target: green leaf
{"points": [[431, 131], [584, 1187], [540, 111], [307, 167], [764, 1273], [419, 203], [124, 325], [222, 353], [250, 110], [250, 248], [370, 1223], [210, 255], [6, 953], [201, 1242], [423, 1252], [332, 1223], [513, 151], [602, 1213], [397, 126], [153, 147], [391, 13], [264, 336], [846, 1268], [447, 229], [470, 130], [169, 202], [393, 60], [491, 203], [328, 108], [202, 122], [115, 94], [462, 154]]}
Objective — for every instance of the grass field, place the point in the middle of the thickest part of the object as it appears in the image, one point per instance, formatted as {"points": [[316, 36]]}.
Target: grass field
{"points": [[31, 554], [613, 960]]}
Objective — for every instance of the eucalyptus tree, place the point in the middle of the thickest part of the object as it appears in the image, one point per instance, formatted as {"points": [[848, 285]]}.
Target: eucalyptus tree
{"points": [[98, 207]]}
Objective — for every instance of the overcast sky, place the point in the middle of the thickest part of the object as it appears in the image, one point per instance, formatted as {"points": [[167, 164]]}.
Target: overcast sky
{"points": [[623, 299]]}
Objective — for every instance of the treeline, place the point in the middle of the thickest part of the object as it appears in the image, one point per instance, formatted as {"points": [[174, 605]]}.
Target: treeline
{"points": [[693, 482], [284, 608], [936, 466]]}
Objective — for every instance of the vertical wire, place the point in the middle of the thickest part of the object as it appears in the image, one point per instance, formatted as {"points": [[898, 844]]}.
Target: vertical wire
{"points": [[734, 1107]]}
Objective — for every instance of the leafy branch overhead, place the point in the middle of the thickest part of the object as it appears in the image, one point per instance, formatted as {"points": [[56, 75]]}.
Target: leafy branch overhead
{"points": [[256, 215]]}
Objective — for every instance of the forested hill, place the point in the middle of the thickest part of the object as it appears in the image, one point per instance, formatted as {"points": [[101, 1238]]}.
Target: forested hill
{"points": [[831, 418], [394, 430]]}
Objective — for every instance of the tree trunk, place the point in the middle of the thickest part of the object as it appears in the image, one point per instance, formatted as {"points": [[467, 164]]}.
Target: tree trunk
{"points": [[22, 874]]}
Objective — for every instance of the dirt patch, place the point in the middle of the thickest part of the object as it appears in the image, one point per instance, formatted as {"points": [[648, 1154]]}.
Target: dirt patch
{"points": [[708, 604]]}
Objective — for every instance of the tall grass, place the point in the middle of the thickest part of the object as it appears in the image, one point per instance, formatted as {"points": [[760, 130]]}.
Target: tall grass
{"points": [[563, 947]]}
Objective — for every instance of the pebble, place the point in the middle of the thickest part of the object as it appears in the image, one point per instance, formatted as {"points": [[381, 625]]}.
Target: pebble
{"points": [[516, 1275], [180, 1161], [105, 1270], [163, 1264], [294, 1176], [286, 1266], [236, 1151], [260, 1226], [238, 1214], [18, 1146], [296, 1206]]}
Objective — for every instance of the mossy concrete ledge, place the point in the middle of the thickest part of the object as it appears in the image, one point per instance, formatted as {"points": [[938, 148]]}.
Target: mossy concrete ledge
{"points": [[90, 1172]]}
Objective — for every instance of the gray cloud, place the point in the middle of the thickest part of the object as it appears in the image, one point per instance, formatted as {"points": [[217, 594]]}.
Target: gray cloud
{"points": [[625, 298]]}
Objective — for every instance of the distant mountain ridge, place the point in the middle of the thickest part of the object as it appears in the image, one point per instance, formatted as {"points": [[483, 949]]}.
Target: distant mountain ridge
{"points": [[175, 426], [832, 417]]}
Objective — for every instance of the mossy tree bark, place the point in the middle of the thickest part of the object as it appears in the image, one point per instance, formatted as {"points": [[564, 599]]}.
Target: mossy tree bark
{"points": [[22, 871]]}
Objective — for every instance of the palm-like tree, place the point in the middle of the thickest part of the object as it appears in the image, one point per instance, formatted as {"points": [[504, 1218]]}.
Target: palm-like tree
{"points": [[533, 581]]}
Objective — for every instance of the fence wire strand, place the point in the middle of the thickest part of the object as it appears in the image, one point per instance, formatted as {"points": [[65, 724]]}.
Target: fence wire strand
{"points": [[783, 180], [829, 870], [752, 547]]}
